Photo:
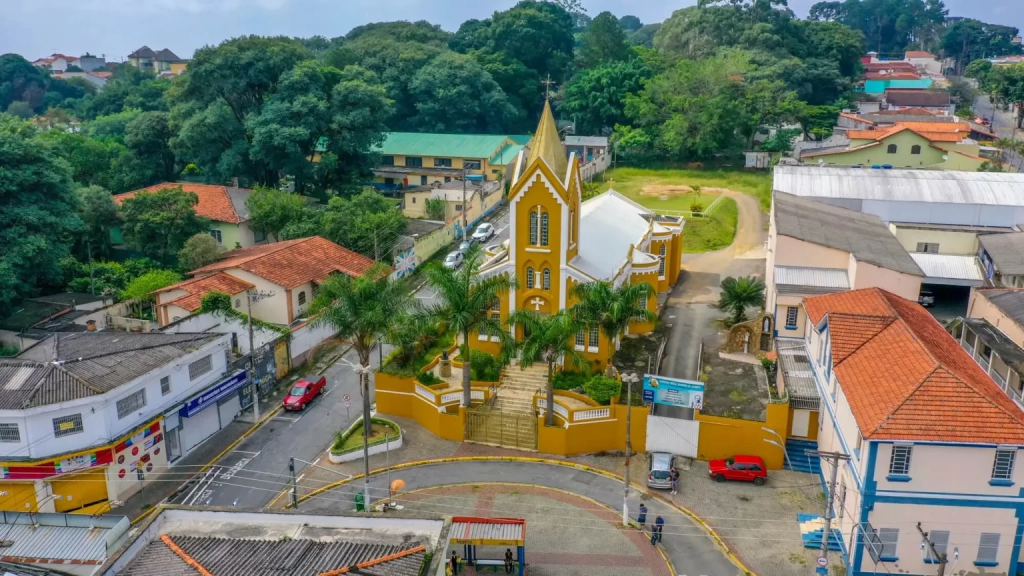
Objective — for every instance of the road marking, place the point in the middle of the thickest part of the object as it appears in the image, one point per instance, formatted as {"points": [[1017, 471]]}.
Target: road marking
{"points": [[254, 454], [235, 469], [293, 420], [329, 390]]}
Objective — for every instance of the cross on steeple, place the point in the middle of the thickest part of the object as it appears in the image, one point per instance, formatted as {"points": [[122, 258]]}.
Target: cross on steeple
{"points": [[547, 88]]}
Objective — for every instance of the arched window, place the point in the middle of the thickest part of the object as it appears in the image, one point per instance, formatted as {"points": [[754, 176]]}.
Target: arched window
{"points": [[891, 149], [547, 279], [530, 279], [661, 265], [533, 228], [544, 229], [915, 149], [302, 298], [572, 226]]}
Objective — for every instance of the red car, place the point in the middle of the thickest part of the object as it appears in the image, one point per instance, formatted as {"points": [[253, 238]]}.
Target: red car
{"points": [[302, 393], [744, 468]]}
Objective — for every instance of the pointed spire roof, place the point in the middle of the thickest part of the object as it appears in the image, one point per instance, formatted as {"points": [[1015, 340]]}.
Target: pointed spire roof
{"points": [[547, 145]]}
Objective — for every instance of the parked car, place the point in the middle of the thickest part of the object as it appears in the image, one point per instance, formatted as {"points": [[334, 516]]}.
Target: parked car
{"points": [[742, 468], [926, 298], [303, 392], [453, 260], [465, 246], [661, 471], [483, 232]]}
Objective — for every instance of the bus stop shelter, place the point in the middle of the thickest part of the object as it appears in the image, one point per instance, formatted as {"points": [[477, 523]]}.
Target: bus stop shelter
{"points": [[505, 532]]}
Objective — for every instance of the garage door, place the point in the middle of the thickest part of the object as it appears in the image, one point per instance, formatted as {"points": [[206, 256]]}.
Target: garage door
{"points": [[673, 435], [80, 490], [20, 496]]}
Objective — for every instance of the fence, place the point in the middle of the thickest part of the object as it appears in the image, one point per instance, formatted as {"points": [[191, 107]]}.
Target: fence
{"points": [[508, 429], [686, 213], [596, 166]]}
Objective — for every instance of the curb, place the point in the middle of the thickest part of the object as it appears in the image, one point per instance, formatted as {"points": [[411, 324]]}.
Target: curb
{"points": [[668, 562], [686, 511], [252, 429]]}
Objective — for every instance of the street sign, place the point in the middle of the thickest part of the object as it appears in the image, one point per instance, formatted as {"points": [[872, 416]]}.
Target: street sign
{"points": [[346, 398], [821, 570], [347, 403], [822, 561]]}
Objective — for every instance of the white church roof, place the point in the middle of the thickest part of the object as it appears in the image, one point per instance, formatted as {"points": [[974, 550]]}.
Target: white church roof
{"points": [[609, 224]]}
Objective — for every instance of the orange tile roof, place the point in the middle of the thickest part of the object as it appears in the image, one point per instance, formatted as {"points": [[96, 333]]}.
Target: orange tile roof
{"points": [[905, 378], [896, 75], [293, 262], [932, 131], [203, 285], [855, 117], [935, 126], [919, 54], [907, 111], [214, 202], [870, 134]]}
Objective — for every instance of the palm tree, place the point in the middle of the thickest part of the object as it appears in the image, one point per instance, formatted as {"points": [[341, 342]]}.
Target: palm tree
{"points": [[548, 338], [611, 309], [362, 310], [465, 305], [740, 293]]}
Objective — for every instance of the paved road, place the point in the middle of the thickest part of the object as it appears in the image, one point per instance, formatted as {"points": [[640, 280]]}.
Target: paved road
{"points": [[691, 550], [1002, 125], [690, 310], [252, 474]]}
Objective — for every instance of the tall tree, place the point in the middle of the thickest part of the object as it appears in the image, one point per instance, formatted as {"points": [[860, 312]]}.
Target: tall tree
{"points": [[465, 303], [159, 223], [604, 41], [361, 310], [548, 339], [969, 39], [272, 210], [596, 98], [738, 294], [453, 93], [98, 213], [198, 251], [630, 23], [37, 213], [367, 223], [1007, 84], [611, 309], [148, 136]]}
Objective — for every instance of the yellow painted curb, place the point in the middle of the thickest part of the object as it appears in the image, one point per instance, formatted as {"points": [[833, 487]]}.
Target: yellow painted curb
{"points": [[668, 562], [689, 513], [252, 429]]}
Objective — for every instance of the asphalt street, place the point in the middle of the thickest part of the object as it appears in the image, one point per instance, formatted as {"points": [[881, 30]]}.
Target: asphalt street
{"points": [[1002, 125], [690, 548]]}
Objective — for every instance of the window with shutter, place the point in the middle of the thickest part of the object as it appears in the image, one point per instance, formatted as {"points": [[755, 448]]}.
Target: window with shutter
{"points": [[530, 277], [988, 547], [889, 537], [1002, 466], [547, 279], [533, 228], [544, 229], [595, 337], [899, 462], [940, 541]]}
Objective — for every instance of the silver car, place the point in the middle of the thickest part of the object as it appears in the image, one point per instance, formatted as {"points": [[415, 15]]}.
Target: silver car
{"points": [[453, 260], [661, 471]]}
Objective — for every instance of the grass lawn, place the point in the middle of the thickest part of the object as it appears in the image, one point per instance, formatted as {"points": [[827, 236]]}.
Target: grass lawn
{"points": [[714, 232], [632, 181], [355, 440]]}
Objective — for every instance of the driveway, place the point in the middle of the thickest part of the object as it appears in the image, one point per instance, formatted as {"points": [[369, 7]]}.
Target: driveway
{"points": [[690, 311], [688, 545]]}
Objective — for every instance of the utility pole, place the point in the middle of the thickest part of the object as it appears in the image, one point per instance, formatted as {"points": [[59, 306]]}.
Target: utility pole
{"points": [[833, 458], [465, 222], [934, 553], [252, 361], [364, 381], [629, 379], [295, 490]]}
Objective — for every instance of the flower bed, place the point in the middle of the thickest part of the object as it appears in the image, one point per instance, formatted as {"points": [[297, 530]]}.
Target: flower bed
{"points": [[348, 446]]}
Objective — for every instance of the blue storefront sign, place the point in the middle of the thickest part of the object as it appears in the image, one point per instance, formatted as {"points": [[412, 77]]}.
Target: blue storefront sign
{"points": [[673, 391], [197, 404]]}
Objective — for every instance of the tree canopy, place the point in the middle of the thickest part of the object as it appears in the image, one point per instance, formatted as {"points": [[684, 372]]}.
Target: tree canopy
{"points": [[159, 223]]}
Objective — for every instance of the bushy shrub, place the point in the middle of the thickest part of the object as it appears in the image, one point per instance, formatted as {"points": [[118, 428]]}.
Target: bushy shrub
{"points": [[602, 389], [428, 378], [569, 380], [696, 208], [483, 367]]}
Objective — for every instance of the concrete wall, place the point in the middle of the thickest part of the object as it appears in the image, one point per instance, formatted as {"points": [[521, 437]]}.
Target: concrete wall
{"points": [[209, 322], [981, 307], [274, 309], [949, 241], [865, 275]]}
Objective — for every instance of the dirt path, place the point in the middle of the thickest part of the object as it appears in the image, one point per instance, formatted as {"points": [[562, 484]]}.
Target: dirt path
{"points": [[689, 309]]}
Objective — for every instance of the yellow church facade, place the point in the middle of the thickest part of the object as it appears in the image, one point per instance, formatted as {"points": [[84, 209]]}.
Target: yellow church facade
{"points": [[557, 240]]}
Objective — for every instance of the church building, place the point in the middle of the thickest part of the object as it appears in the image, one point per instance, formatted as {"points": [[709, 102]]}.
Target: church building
{"points": [[557, 240]]}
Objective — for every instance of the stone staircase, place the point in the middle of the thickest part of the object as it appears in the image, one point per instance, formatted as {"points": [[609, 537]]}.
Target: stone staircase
{"points": [[515, 395]]}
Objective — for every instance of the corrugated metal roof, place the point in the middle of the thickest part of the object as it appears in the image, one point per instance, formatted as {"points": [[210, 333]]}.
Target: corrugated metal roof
{"points": [[469, 530], [831, 279], [55, 542], [445, 145], [1006, 251], [948, 186], [949, 266], [796, 369]]}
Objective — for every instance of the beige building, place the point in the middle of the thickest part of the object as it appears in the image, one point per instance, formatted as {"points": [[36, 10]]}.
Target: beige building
{"points": [[285, 274], [475, 198], [993, 334], [817, 248]]}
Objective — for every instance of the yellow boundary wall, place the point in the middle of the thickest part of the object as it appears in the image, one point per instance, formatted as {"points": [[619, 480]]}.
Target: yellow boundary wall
{"points": [[726, 437], [689, 513]]}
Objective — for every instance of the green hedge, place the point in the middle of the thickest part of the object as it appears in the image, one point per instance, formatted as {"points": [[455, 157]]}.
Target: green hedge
{"points": [[569, 380], [345, 435], [483, 367]]}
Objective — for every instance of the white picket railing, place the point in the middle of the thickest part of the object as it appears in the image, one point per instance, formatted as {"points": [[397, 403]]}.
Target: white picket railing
{"points": [[562, 411], [592, 414], [425, 393], [477, 394], [451, 397]]}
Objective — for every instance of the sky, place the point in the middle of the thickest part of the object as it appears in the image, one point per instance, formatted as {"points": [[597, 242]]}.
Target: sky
{"points": [[117, 27]]}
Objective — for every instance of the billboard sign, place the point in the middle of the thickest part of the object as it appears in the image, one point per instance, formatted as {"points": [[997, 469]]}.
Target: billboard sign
{"points": [[673, 391]]}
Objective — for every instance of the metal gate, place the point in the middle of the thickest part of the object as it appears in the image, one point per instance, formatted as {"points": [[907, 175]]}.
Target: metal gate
{"points": [[507, 429]]}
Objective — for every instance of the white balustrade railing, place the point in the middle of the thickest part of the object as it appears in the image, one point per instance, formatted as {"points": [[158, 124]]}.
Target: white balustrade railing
{"points": [[425, 393], [477, 394], [592, 414], [451, 397]]}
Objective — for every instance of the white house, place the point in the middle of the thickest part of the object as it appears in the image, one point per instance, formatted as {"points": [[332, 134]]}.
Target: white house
{"points": [[925, 62], [87, 418], [932, 441]]}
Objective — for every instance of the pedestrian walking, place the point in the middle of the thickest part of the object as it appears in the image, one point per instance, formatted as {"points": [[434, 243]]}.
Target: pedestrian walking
{"points": [[659, 525], [508, 560], [455, 563], [674, 477], [641, 518]]}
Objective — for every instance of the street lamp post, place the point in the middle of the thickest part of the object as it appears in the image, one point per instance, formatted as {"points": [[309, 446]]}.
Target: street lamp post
{"points": [[629, 379]]}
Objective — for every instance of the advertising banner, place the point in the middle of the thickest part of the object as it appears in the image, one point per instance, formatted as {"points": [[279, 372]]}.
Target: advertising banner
{"points": [[673, 391]]}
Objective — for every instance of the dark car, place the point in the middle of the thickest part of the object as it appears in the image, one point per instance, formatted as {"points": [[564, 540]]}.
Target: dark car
{"points": [[742, 468], [303, 392]]}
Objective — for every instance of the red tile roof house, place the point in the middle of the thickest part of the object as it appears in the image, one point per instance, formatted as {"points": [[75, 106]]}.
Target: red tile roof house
{"points": [[286, 273], [223, 205], [932, 440]]}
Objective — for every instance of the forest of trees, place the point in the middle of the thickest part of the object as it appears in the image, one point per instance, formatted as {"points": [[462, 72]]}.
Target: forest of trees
{"points": [[254, 108]]}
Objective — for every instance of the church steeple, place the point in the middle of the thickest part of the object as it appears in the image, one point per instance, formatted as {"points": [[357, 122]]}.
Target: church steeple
{"points": [[547, 145]]}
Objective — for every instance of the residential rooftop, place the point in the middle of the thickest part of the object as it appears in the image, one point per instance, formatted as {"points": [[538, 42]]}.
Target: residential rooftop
{"points": [[46, 540], [483, 146], [1009, 300], [196, 288], [905, 378], [1006, 251], [863, 235], [810, 280], [917, 98], [219, 203], [70, 366]]}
